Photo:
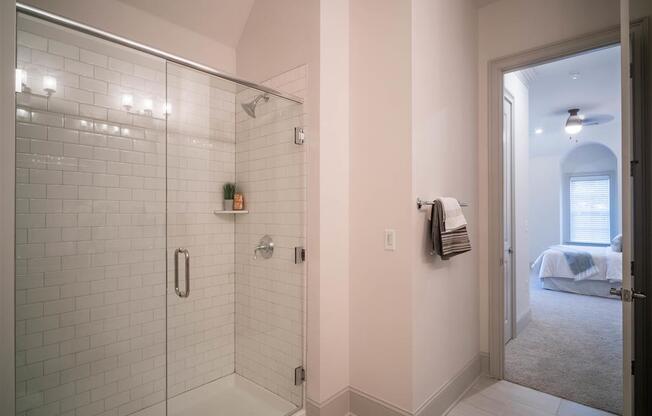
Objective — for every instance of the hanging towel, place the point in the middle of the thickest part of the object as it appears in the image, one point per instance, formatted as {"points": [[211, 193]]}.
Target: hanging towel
{"points": [[446, 244], [453, 215]]}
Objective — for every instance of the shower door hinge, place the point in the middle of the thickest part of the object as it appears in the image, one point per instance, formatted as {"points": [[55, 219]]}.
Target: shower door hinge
{"points": [[299, 255], [299, 135], [299, 375]]}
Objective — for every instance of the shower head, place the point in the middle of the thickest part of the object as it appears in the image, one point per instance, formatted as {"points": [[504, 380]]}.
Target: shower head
{"points": [[250, 107]]}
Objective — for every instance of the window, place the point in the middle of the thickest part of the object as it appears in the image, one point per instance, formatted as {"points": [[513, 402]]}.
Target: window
{"points": [[589, 209]]}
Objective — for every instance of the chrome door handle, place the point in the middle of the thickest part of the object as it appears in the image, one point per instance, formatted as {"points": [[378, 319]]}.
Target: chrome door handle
{"points": [[626, 295], [186, 254]]}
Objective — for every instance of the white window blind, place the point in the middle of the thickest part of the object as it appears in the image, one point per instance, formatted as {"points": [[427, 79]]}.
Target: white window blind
{"points": [[590, 209]]}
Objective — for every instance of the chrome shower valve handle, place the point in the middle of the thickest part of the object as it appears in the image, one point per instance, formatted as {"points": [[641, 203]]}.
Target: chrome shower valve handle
{"points": [[265, 247]]}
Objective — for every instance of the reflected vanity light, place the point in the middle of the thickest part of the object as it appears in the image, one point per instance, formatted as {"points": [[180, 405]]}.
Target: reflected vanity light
{"points": [[127, 101], [21, 79], [49, 85], [538, 131], [168, 108], [148, 106]]}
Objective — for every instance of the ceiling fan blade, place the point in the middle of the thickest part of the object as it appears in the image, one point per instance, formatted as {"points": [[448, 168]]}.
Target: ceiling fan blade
{"points": [[597, 119], [563, 111]]}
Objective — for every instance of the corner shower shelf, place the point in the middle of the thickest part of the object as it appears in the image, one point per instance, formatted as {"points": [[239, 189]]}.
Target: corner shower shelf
{"points": [[240, 211]]}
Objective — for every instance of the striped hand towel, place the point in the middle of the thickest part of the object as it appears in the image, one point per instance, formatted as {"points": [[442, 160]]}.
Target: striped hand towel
{"points": [[446, 243]]}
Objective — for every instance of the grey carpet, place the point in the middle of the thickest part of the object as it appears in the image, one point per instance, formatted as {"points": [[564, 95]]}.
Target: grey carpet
{"points": [[572, 348]]}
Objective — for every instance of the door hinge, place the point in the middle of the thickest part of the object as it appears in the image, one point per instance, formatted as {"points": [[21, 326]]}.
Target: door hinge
{"points": [[299, 136], [633, 367], [632, 166], [631, 270], [299, 375], [631, 69], [299, 255]]}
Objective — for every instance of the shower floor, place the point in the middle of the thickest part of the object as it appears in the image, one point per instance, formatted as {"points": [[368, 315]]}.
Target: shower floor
{"points": [[232, 395]]}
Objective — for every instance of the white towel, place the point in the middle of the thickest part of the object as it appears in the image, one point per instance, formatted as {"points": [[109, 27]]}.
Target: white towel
{"points": [[453, 215]]}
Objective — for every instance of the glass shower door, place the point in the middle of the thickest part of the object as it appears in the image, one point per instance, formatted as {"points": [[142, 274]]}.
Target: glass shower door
{"points": [[270, 172], [200, 244], [90, 225], [235, 314]]}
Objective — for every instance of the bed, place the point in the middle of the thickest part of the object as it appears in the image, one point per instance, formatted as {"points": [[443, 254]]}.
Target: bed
{"points": [[553, 269]]}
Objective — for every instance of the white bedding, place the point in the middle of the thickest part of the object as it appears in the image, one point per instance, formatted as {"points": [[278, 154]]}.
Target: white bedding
{"points": [[552, 263]]}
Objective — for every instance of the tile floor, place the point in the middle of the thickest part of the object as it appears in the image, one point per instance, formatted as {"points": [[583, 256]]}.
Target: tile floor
{"points": [[490, 397]]}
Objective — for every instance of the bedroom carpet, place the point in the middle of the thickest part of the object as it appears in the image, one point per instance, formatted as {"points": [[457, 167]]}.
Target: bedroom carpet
{"points": [[572, 348]]}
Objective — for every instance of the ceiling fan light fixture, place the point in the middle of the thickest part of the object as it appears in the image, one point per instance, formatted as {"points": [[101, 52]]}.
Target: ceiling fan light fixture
{"points": [[574, 122]]}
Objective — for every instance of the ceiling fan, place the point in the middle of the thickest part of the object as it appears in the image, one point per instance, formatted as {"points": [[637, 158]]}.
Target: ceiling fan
{"points": [[575, 122]]}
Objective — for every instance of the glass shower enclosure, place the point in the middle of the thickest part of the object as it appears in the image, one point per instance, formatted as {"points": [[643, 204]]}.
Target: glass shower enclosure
{"points": [[137, 293]]}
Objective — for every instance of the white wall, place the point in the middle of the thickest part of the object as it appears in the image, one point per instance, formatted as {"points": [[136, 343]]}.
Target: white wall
{"points": [[279, 36], [121, 19], [445, 322], [547, 178], [519, 91], [503, 31], [380, 198], [545, 204]]}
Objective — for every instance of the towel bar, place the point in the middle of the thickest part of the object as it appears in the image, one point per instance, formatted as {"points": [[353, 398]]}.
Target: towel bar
{"points": [[421, 203]]}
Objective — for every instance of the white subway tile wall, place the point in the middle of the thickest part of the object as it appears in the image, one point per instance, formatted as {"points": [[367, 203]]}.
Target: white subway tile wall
{"points": [[90, 231], [105, 193], [270, 171], [201, 158]]}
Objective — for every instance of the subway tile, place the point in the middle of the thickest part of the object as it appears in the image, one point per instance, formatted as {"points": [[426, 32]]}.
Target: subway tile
{"points": [[31, 101], [31, 40], [47, 60], [91, 111], [63, 49], [48, 119], [23, 54], [79, 68], [78, 123], [93, 58], [78, 95], [59, 105], [92, 139], [31, 131], [93, 85], [62, 135], [121, 66]]}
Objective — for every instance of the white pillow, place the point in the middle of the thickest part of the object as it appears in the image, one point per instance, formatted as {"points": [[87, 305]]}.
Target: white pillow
{"points": [[617, 243]]}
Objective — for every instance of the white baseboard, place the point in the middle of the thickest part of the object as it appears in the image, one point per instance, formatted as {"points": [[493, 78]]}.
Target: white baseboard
{"points": [[353, 402], [523, 321]]}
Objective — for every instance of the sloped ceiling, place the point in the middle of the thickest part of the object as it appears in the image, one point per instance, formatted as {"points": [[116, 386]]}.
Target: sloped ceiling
{"points": [[221, 20]]}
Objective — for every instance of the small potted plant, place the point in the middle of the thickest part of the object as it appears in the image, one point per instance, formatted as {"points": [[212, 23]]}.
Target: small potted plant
{"points": [[229, 192]]}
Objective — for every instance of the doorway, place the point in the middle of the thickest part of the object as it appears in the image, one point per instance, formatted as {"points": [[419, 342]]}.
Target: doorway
{"points": [[585, 206], [562, 202]]}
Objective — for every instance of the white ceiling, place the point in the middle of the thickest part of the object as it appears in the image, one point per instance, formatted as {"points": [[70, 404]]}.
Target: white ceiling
{"points": [[552, 91], [221, 20]]}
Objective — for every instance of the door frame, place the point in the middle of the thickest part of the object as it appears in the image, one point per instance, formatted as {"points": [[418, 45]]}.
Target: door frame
{"points": [[495, 72], [640, 126], [512, 277], [7, 205]]}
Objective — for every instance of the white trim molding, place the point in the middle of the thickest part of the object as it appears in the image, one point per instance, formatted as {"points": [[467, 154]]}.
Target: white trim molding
{"points": [[7, 204], [495, 71], [352, 401]]}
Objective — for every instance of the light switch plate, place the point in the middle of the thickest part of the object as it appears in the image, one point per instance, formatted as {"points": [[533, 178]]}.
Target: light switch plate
{"points": [[390, 240]]}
